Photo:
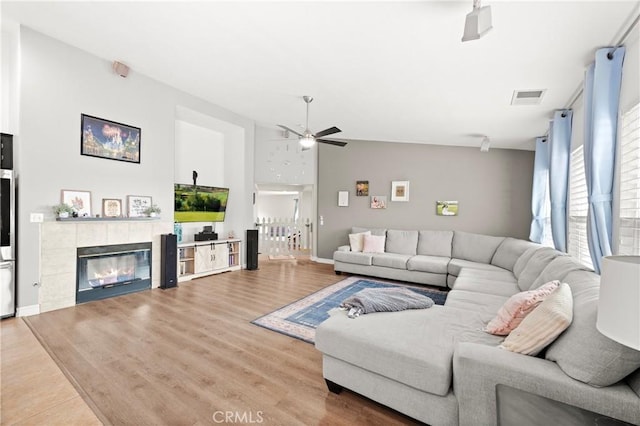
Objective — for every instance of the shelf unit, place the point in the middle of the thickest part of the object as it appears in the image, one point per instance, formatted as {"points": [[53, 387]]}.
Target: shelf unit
{"points": [[201, 258]]}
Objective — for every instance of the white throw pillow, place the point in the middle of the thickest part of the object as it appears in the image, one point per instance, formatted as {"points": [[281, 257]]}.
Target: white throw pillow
{"points": [[374, 244], [543, 325], [356, 241]]}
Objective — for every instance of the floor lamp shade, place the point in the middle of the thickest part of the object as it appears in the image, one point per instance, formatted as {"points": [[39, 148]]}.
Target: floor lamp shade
{"points": [[619, 303]]}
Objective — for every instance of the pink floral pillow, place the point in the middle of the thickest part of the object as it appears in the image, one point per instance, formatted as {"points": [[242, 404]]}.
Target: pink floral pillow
{"points": [[373, 244], [518, 307]]}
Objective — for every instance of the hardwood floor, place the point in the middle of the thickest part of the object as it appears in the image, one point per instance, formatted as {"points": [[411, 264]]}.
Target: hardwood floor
{"points": [[33, 390], [190, 356]]}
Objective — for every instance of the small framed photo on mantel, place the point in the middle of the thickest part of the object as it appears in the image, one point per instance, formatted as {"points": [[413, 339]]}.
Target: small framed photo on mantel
{"points": [[111, 207], [80, 201], [137, 204]]}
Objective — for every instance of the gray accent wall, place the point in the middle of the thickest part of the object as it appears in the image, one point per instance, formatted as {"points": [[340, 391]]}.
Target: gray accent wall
{"points": [[493, 189]]}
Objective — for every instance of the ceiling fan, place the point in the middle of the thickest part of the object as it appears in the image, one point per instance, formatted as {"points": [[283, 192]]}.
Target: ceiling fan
{"points": [[308, 139]]}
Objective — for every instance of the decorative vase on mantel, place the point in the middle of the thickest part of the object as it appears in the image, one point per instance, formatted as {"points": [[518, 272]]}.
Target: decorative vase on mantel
{"points": [[63, 210], [152, 211]]}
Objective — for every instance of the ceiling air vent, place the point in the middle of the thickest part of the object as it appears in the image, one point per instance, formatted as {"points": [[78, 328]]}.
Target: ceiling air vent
{"points": [[527, 97]]}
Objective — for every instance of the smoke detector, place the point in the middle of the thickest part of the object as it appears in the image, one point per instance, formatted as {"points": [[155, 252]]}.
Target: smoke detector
{"points": [[527, 97]]}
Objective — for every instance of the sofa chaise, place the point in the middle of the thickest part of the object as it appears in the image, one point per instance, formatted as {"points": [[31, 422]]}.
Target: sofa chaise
{"points": [[437, 365]]}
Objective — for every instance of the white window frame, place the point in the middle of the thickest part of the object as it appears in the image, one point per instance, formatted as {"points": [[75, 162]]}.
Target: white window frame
{"points": [[627, 205]]}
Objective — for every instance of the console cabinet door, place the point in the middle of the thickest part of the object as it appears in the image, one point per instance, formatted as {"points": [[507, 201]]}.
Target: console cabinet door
{"points": [[221, 256], [203, 258]]}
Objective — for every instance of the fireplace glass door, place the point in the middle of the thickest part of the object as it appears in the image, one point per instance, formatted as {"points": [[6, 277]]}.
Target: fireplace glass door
{"points": [[107, 271]]}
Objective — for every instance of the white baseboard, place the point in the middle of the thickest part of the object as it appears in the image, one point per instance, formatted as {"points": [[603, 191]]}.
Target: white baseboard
{"points": [[26, 311], [322, 260]]}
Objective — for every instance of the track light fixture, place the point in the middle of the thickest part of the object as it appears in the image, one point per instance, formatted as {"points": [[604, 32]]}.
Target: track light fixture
{"points": [[484, 145], [478, 22]]}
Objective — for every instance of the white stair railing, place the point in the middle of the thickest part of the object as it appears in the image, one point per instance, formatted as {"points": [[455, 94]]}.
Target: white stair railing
{"points": [[281, 237]]}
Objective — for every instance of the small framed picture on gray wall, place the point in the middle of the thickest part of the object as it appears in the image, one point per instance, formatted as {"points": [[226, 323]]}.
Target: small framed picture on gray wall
{"points": [[362, 188], [378, 201], [447, 208], [400, 190]]}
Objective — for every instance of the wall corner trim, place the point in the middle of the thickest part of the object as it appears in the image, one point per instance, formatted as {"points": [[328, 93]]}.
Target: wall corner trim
{"points": [[26, 311]]}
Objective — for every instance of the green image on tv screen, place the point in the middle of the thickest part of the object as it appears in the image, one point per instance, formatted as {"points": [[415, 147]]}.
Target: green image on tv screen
{"points": [[199, 203]]}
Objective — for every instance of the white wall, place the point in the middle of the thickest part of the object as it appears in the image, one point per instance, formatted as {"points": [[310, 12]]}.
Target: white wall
{"points": [[306, 204], [280, 160], [278, 201], [201, 149], [274, 205], [9, 70], [57, 84]]}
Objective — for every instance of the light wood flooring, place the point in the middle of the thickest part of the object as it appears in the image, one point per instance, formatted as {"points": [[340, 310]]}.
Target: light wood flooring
{"points": [[183, 356]]}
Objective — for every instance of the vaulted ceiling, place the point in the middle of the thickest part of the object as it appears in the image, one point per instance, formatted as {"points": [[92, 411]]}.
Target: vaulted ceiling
{"points": [[389, 71]]}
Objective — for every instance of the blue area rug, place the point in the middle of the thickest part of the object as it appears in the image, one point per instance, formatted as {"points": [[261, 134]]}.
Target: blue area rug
{"points": [[300, 318]]}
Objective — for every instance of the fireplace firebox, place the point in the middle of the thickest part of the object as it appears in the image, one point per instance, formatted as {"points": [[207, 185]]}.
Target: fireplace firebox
{"points": [[113, 270]]}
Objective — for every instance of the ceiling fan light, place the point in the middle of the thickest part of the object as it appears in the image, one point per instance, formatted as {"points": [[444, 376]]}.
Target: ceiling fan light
{"points": [[307, 141]]}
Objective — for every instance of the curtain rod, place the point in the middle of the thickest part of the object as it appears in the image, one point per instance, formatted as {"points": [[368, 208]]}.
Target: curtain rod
{"points": [[578, 93]]}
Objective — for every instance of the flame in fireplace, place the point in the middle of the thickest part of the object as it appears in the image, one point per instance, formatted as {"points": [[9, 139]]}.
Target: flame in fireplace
{"points": [[112, 275]]}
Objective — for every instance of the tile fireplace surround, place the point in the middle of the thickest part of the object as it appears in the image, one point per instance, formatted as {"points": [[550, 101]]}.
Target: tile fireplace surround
{"points": [[59, 242]]}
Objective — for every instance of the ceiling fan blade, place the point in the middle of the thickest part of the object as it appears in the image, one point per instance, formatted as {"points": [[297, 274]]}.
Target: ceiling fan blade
{"points": [[327, 132], [331, 142], [290, 130]]}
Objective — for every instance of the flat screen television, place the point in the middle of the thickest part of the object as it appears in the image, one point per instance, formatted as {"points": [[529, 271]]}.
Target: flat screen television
{"points": [[199, 203]]}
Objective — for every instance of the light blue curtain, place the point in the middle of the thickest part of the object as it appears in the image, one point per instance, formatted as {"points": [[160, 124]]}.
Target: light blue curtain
{"points": [[601, 100], [559, 148], [539, 189]]}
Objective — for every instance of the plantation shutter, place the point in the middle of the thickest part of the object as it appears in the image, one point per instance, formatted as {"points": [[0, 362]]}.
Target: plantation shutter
{"points": [[629, 228], [578, 246]]}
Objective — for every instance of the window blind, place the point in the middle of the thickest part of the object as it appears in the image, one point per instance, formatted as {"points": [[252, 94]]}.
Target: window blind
{"points": [[629, 227], [578, 246]]}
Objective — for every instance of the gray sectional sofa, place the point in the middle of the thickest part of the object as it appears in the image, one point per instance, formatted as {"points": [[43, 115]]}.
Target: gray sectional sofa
{"points": [[429, 257], [438, 366]]}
